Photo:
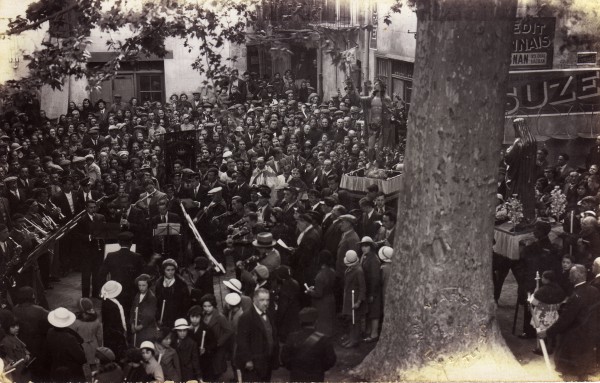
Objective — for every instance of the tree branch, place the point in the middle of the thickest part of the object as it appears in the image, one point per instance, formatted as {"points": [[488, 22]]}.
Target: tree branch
{"points": [[40, 22]]}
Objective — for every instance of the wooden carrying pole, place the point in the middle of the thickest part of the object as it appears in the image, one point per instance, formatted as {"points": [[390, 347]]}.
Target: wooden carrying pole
{"points": [[200, 240]]}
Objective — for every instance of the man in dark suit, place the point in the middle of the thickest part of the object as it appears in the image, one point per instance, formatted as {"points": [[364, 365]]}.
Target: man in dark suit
{"points": [[66, 201], [387, 231], [169, 245], [7, 253], [92, 249], [16, 196], [84, 194], [24, 182], [149, 199], [257, 346], [123, 266], [577, 324], [102, 116], [368, 226], [305, 259], [92, 140], [241, 187], [33, 326], [306, 352]]}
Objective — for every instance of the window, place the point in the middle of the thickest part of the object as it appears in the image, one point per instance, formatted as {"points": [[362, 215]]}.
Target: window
{"points": [[397, 75], [150, 87]]}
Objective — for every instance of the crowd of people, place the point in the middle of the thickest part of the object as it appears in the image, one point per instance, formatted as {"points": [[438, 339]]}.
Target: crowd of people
{"points": [[263, 207], [558, 271]]}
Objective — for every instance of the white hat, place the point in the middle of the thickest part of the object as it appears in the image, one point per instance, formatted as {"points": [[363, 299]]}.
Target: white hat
{"points": [[215, 190], [147, 344], [89, 157], [351, 258], [385, 254], [234, 284], [227, 154], [111, 289], [181, 324], [233, 299], [61, 317]]}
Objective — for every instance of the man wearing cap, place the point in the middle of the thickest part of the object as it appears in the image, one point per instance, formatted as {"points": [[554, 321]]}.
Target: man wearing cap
{"points": [[93, 140], [308, 354], [122, 265], [92, 169], [348, 241]]}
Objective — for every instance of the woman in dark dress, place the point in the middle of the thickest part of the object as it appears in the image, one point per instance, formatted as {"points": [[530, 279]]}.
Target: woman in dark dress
{"points": [[213, 360], [145, 303], [172, 295], [287, 293], [372, 269], [322, 293]]}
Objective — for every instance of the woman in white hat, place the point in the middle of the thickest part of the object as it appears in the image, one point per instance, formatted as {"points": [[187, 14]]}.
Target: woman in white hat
{"points": [[372, 270], [113, 318], [187, 351], [385, 254], [63, 347], [151, 365], [354, 297]]}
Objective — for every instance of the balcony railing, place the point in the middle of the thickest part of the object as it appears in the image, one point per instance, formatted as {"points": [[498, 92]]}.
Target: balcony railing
{"points": [[299, 14]]}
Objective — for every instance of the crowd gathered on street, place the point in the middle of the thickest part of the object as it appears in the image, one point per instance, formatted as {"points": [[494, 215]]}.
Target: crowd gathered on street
{"points": [[247, 256], [558, 268]]}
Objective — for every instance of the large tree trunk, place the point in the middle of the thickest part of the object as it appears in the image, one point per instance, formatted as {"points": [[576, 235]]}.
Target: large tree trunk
{"points": [[439, 311]]}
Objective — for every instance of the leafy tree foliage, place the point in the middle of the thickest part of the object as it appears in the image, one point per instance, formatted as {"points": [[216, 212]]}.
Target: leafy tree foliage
{"points": [[203, 26]]}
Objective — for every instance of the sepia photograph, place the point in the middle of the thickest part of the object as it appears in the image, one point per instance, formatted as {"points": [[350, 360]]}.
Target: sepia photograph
{"points": [[299, 191]]}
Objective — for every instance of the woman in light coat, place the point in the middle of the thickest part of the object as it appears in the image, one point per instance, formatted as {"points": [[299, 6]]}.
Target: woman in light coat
{"points": [[89, 328]]}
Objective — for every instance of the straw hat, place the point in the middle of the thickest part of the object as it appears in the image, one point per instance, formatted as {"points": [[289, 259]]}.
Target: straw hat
{"points": [[181, 324], [351, 258], [264, 240], [385, 254], [233, 299], [148, 345], [234, 284], [111, 289], [367, 241], [61, 317]]}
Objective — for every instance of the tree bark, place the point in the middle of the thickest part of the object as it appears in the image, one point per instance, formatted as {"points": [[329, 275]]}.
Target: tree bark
{"points": [[439, 311]]}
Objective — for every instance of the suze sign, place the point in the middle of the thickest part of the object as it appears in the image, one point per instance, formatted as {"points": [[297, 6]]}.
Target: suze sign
{"points": [[533, 43], [553, 92]]}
